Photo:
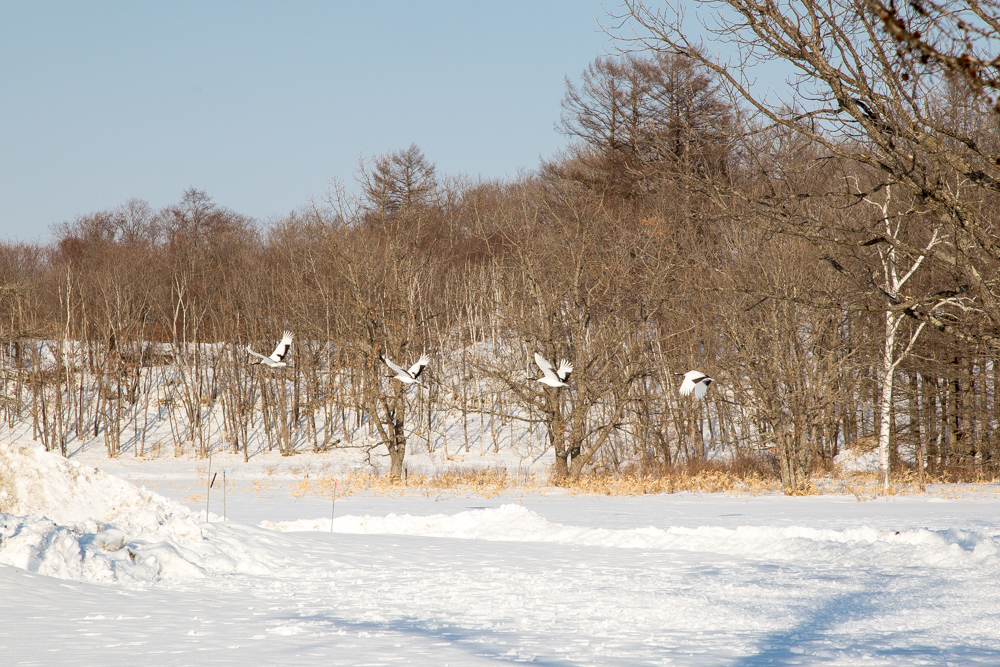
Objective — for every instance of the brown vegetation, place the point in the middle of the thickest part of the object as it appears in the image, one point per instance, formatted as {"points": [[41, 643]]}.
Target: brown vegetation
{"points": [[831, 262]]}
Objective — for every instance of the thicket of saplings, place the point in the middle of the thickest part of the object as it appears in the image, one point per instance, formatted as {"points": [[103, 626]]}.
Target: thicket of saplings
{"points": [[650, 247]]}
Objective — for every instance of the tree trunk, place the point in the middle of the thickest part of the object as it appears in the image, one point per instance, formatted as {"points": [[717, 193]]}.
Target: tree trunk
{"points": [[397, 445], [885, 400], [556, 426]]}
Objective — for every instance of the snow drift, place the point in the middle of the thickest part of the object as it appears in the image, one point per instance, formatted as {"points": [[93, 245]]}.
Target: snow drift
{"points": [[65, 520], [515, 523]]}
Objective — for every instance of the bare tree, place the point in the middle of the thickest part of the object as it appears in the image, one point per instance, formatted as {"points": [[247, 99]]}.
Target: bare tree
{"points": [[955, 37], [640, 118], [573, 294], [853, 99], [388, 258]]}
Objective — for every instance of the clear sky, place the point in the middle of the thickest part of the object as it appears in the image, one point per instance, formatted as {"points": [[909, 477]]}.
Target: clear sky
{"points": [[261, 104]]}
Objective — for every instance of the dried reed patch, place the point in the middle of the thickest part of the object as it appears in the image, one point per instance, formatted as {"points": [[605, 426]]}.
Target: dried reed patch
{"points": [[483, 482], [751, 477], [865, 485], [702, 481], [747, 475], [491, 482], [258, 485]]}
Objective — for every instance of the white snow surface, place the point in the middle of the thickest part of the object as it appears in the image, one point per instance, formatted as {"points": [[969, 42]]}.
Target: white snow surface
{"points": [[132, 576], [514, 523], [75, 522], [852, 461]]}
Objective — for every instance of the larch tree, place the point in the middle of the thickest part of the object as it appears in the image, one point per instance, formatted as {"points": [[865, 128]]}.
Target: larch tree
{"points": [[389, 263]]}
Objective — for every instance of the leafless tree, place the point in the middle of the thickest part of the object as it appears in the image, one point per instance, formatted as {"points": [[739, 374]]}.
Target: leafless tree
{"points": [[639, 118], [955, 37], [573, 293], [854, 100], [388, 258]]}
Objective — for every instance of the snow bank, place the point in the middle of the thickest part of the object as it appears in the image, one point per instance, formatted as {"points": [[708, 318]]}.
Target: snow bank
{"points": [[514, 523], [73, 522], [856, 460]]}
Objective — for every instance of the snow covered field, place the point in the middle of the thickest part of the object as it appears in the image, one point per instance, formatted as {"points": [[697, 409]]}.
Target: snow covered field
{"points": [[116, 575]]}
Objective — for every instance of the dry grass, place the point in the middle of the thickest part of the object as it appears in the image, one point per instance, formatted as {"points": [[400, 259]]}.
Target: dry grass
{"points": [[703, 477], [742, 475], [700, 478], [962, 475], [865, 485], [701, 482], [484, 482], [746, 476]]}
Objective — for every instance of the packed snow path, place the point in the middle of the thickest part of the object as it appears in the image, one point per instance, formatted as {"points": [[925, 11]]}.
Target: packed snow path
{"points": [[685, 580]]}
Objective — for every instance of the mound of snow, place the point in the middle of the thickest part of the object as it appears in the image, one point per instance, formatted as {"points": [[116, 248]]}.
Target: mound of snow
{"points": [[856, 460], [74, 522], [515, 523]]}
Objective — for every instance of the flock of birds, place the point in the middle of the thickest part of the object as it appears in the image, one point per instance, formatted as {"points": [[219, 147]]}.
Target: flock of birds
{"points": [[695, 382]]}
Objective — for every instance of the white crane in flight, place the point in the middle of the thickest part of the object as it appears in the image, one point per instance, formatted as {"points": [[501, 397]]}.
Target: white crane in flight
{"points": [[695, 381], [551, 376], [277, 358], [408, 376]]}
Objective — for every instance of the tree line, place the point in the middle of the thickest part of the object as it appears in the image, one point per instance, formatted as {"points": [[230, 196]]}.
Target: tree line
{"points": [[829, 257]]}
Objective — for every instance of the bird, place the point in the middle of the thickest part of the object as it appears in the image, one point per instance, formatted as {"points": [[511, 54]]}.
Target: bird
{"points": [[551, 377], [408, 376], [695, 381], [277, 358]]}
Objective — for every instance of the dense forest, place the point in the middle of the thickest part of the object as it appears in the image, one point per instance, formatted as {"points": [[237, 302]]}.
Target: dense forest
{"points": [[828, 255]]}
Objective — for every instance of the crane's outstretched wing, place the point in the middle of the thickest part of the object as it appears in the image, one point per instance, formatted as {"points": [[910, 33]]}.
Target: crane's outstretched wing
{"points": [[256, 354], [546, 367], [282, 348], [693, 382], [565, 370], [394, 367], [417, 368]]}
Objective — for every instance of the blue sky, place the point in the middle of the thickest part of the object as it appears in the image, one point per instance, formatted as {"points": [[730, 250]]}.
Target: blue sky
{"points": [[261, 104]]}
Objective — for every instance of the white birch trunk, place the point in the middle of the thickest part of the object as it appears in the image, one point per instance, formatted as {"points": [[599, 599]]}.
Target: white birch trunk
{"points": [[885, 401], [892, 285]]}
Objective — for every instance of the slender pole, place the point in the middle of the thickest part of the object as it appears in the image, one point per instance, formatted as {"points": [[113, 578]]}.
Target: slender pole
{"points": [[224, 518]]}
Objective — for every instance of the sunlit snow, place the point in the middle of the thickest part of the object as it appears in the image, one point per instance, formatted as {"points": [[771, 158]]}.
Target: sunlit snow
{"points": [[97, 570]]}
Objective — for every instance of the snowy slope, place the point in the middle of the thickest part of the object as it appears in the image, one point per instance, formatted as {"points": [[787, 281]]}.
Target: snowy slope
{"points": [[74, 522], [554, 580]]}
